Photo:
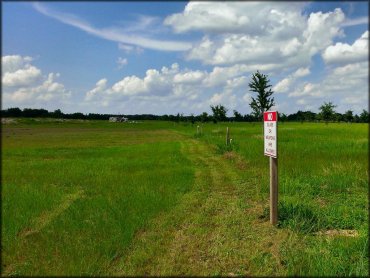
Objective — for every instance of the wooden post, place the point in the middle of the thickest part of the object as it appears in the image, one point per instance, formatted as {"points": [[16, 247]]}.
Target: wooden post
{"points": [[273, 191], [198, 130], [227, 136]]}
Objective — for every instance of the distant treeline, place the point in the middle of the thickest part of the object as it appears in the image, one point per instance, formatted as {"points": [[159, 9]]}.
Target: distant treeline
{"points": [[300, 116]]}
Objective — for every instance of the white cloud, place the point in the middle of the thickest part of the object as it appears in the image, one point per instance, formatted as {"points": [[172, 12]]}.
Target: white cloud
{"points": [[344, 53], [113, 33], [121, 62], [12, 63], [356, 21], [189, 77], [18, 71], [235, 17], [22, 77], [101, 85], [347, 86], [301, 72], [130, 85], [129, 48], [285, 84], [267, 37], [177, 88], [24, 84]]}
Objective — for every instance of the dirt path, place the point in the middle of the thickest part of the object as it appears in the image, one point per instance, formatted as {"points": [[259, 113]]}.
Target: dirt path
{"points": [[215, 230]]}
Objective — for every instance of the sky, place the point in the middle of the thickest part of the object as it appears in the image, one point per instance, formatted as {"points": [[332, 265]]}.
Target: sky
{"points": [[181, 57]]}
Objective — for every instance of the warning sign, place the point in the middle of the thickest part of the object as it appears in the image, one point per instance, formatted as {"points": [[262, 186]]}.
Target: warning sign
{"points": [[270, 133]]}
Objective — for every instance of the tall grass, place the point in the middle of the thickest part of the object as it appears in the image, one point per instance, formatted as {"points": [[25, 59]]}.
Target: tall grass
{"points": [[75, 194], [71, 205], [323, 185]]}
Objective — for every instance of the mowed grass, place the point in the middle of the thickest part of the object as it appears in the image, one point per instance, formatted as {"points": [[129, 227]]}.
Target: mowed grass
{"points": [[323, 190], [74, 195], [155, 198]]}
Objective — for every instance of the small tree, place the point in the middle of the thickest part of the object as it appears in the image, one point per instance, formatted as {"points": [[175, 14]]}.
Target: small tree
{"points": [[192, 119], [204, 117], [237, 116], [219, 112], [327, 111], [263, 101], [348, 116], [282, 117], [364, 116]]}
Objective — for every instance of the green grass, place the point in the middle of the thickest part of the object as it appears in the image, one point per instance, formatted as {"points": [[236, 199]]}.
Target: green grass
{"points": [[155, 198], [122, 179], [323, 185]]}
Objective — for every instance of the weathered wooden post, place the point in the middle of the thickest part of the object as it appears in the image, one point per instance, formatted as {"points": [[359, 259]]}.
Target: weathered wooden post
{"points": [[227, 136], [198, 130], [273, 191], [270, 149]]}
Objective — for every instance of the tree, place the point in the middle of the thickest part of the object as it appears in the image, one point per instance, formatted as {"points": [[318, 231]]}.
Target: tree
{"points": [[327, 111], [348, 116], [364, 116], [282, 117], [204, 117], [237, 116], [57, 114], [192, 119], [219, 112], [12, 112], [263, 101]]}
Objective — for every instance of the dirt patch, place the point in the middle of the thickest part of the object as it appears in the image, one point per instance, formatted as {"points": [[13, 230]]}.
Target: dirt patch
{"points": [[321, 202], [8, 121], [239, 161], [334, 233]]}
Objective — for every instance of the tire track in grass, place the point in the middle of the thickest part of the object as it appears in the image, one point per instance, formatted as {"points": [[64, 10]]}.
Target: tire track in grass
{"points": [[211, 232], [47, 217], [39, 223]]}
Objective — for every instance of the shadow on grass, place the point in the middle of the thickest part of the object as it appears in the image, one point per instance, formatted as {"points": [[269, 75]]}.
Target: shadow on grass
{"points": [[305, 218]]}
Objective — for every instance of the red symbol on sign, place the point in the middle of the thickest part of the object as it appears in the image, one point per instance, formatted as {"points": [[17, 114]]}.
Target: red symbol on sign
{"points": [[269, 116]]}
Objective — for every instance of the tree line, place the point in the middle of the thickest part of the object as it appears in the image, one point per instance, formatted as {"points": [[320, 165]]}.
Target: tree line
{"points": [[260, 84], [219, 114]]}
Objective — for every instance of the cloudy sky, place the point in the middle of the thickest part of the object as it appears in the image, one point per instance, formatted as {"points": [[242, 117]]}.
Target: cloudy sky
{"points": [[162, 57]]}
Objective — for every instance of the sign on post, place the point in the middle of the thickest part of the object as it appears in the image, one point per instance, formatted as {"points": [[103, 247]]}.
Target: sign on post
{"points": [[270, 134], [270, 145]]}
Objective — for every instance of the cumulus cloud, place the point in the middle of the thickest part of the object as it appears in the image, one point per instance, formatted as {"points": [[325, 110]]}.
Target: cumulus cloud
{"points": [[273, 37], [113, 33], [189, 77], [17, 71], [341, 53], [100, 86], [178, 88], [235, 17], [346, 85], [285, 84], [24, 84]]}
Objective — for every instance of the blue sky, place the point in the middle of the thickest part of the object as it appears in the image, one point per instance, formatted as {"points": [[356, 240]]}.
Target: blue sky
{"points": [[170, 57]]}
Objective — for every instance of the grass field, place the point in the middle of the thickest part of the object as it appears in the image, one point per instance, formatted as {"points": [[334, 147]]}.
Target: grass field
{"points": [[155, 198]]}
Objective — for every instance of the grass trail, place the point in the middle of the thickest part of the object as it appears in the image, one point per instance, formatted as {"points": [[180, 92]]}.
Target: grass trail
{"points": [[212, 232], [97, 198]]}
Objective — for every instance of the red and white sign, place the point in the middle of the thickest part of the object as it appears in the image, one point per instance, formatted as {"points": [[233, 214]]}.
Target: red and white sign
{"points": [[270, 134]]}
